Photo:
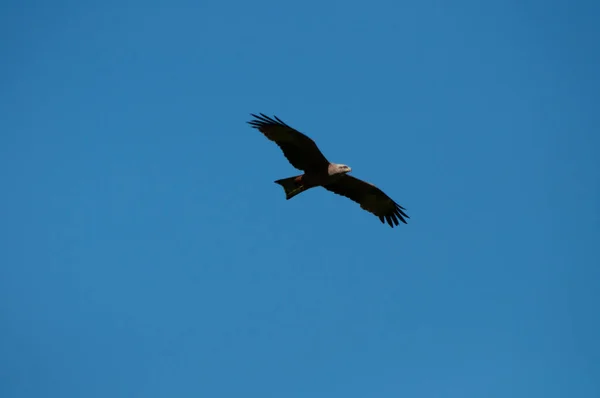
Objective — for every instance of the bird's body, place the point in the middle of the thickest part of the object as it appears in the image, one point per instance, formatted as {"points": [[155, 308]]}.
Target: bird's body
{"points": [[316, 178], [303, 154]]}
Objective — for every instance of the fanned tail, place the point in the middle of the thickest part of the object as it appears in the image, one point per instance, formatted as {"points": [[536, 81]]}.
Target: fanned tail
{"points": [[292, 186]]}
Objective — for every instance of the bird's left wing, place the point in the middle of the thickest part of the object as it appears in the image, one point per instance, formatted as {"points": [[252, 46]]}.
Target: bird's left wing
{"points": [[299, 149], [370, 198]]}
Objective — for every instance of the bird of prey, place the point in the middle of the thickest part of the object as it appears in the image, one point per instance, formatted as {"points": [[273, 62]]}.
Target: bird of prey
{"points": [[303, 154]]}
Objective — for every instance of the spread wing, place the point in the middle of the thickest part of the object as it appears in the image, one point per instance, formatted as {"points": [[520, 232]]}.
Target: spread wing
{"points": [[299, 150], [370, 198]]}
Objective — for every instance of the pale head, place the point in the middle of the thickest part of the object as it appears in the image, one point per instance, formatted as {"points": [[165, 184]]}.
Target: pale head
{"points": [[335, 168]]}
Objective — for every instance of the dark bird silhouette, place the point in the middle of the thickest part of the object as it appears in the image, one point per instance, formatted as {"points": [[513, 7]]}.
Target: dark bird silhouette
{"points": [[303, 154]]}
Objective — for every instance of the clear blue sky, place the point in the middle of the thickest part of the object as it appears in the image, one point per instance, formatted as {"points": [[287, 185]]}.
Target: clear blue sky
{"points": [[146, 251]]}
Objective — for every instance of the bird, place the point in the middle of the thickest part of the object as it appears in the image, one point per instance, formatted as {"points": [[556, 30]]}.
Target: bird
{"points": [[304, 154]]}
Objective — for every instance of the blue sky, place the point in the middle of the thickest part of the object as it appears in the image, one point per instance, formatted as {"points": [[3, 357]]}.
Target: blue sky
{"points": [[146, 251]]}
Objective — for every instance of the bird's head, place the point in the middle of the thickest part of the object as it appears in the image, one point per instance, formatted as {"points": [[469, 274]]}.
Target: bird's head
{"points": [[343, 169]]}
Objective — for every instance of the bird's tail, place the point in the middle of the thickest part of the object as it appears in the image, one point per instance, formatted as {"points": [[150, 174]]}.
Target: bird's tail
{"points": [[292, 186]]}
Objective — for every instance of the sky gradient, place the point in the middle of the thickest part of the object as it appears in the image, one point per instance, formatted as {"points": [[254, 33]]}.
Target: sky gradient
{"points": [[146, 251]]}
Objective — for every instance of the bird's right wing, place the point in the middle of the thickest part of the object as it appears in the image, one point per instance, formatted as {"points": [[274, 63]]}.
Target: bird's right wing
{"points": [[370, 198], [299, 150]]}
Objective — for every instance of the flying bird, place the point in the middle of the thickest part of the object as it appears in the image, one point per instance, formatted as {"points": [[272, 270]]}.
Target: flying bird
{"points": [[302, 153]]}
